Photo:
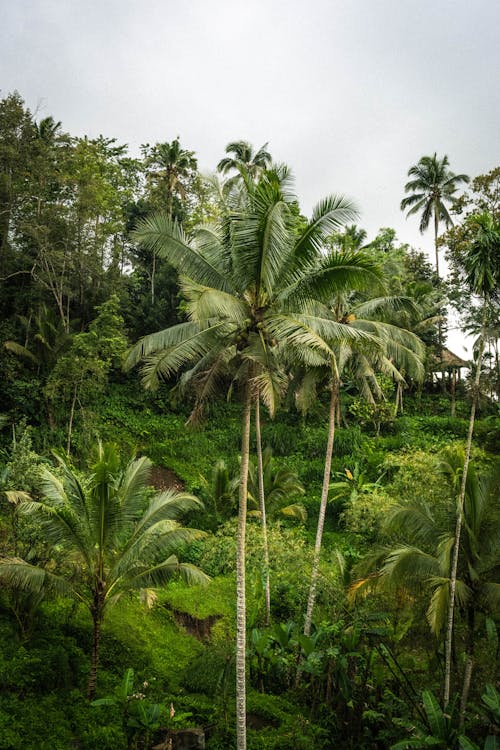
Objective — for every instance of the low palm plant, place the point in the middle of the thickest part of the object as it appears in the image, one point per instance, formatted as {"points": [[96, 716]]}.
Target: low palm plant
{"points": [[280, 486], [107, 538]]}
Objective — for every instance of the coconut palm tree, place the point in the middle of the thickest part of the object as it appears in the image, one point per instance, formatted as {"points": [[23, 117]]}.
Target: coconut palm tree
{"points": [[107, 539], [171, 166], [433, 185], [387, 349], [482, 276], [248, 283], [244, 160]]}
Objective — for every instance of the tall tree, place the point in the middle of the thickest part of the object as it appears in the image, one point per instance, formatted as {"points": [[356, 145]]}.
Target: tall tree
{"points": [[105, 541], [482, 276], [384, 348], [169, 169], [432, 187], [247, 285]]}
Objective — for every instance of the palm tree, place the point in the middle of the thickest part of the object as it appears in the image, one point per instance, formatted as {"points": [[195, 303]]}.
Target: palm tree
{"points": [[244, 161], [107, 540], [433, 185], [172, 166], [482, 276], [384, 348], [248, 282]]}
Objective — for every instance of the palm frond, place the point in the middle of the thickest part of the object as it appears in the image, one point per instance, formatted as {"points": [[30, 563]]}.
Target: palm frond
{"points": [[204, 303], [19, 574], [166, 238]]}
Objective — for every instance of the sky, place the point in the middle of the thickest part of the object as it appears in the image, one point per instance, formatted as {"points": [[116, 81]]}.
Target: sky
{"points": [[349, 93]]}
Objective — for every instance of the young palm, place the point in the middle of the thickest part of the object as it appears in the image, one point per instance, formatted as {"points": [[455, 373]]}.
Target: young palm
{"points": [[248, 282], [433, 185], [106, 538]]}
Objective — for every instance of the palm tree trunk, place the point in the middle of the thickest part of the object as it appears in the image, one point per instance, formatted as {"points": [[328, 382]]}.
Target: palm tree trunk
{"points": [[436, 230], [469, 663], [96, 642], [70, 423], [321, 518], [153, 272], [453, 392], [241, 730], [440, 325], [262, 503], [458, 528]]}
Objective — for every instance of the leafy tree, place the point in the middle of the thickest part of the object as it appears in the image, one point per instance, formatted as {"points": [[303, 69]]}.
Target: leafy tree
{"points": [[16, 139], [107, 540], [433, 185], [82, 372], [247, 285]]}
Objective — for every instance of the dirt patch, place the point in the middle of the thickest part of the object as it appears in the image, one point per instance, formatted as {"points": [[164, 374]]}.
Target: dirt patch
{"points": [[165, 479], [256, 721], [201, 629]]}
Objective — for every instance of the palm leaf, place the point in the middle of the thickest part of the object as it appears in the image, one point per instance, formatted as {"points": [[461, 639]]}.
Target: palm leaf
{"points": [[166, 238]]}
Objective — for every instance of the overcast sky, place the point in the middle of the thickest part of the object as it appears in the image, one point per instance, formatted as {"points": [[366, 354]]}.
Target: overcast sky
{"points": [[349, 94]]}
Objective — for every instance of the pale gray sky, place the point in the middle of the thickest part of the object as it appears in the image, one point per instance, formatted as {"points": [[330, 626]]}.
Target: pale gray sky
{"points": [[349, 93]]}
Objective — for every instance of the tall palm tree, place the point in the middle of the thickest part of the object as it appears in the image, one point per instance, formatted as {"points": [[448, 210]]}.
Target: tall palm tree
{"points": [[107, 540], [386, 348], [432, 187], [172, 165], [482, 276], [248, 283]]}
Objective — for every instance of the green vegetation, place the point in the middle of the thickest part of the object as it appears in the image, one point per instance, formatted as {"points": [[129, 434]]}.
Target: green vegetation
{"points": [[290, 537]]}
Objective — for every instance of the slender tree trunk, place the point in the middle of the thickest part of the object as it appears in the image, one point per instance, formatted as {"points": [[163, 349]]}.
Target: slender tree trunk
{"points": [[440, 325], [262, 503], [469, 663], [453, 392], [241, 729], [458, 528], [96, 643], [153, 272], [436, 230], [321, 518], [70, 423]]}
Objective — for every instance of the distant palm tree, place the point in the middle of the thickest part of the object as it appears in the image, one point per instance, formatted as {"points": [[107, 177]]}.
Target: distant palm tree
{"points": [[246, 162], [107, 538], [173, 165], [433, 185]]}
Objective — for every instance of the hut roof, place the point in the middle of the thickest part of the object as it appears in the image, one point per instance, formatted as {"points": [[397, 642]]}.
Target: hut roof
{"points": [[448, 360]]}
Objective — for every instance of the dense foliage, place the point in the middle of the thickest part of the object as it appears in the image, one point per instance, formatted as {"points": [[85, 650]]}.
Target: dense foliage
{"points": [[327, 349]]}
